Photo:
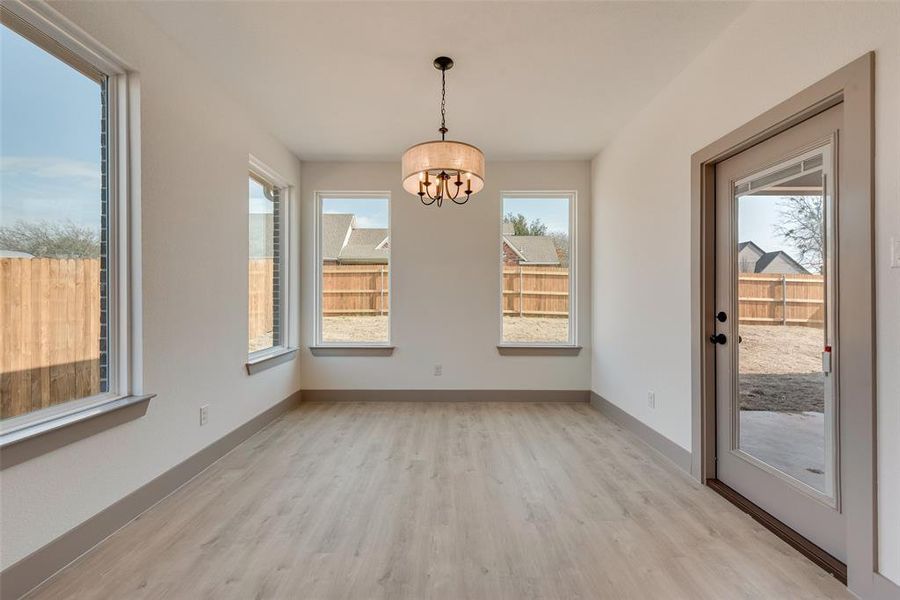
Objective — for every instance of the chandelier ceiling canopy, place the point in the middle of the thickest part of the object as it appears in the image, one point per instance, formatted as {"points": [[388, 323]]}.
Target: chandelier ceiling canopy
{"points": [[442, 169]]}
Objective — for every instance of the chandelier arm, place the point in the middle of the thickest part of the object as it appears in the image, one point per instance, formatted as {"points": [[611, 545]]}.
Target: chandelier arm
{"points": [[453, 196], [436, 196], [422, 198], [455, 201]]}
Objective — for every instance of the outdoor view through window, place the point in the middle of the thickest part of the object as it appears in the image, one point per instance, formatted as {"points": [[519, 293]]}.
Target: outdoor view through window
{"points": [[535, 257], [264, 270], [783, 279], [355, 253], [53, 231]]}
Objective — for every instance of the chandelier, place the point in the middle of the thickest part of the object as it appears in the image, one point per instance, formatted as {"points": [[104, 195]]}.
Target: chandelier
{"points": [[440, 169]]}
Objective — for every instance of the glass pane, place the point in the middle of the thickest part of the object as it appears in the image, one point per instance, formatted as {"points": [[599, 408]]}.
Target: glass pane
{"points": [[535, 264], [264, 268], [356, 256], [785, 396], [53, 231]]}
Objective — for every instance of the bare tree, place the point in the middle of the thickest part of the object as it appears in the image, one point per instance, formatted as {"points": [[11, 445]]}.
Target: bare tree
{"points": [[50, 240], [801, 224], [561, 242]]}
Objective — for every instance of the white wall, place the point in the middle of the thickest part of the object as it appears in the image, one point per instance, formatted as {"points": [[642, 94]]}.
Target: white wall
{"points": [[446, 284], [641, 216], [194, 168]]}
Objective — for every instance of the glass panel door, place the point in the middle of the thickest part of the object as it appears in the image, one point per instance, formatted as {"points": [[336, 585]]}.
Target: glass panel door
{"points": [[777, 353], [785, 396]]}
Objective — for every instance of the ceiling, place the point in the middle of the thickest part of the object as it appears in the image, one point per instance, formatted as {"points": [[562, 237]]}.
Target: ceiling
{"points": [[354, 81]]}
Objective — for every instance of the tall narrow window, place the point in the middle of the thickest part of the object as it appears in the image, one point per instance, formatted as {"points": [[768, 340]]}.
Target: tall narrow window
{"points": [[354, 269], [63, 298], [267, 312], [536, 262]]}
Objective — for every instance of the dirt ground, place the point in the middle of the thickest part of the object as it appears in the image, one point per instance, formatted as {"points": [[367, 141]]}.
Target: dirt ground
{"points": [[535, 329], [355, 329], [261, 342], [515, 329], [781, 368]]}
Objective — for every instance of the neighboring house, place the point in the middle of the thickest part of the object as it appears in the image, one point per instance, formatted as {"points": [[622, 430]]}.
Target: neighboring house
{"points": [[345, 243], [528, 249], [748, 255], [753, 259]]}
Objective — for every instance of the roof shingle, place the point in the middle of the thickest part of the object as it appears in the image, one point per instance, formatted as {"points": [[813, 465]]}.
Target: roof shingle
{"points": [[537, 249], [334, 233]]}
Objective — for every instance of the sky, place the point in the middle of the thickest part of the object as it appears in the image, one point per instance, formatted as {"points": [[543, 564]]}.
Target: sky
{"points": [[757, 218], [50, 138], [371, 213], [258, 201], [553, 212]]}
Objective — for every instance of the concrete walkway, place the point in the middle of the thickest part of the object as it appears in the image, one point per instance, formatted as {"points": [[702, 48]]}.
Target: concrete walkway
{"points": [[791, 442]]}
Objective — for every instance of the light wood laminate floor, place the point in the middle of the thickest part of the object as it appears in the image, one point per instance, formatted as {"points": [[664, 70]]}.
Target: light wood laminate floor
{"points": [[443, 500]]}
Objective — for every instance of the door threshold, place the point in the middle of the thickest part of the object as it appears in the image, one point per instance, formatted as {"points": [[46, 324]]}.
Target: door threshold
{"points": [[802, 545]]}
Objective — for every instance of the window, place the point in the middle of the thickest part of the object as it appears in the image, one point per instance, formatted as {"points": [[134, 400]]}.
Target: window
{"points": [[64, 263], [267, 268], [537, 265], [354, 256]]}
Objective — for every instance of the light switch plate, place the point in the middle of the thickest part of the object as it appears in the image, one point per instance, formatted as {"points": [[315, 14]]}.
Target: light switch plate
{"points": [[895, 252]]}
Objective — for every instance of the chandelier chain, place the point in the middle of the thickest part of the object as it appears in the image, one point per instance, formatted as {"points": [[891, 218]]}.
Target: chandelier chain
{"points": [[443, 128]]}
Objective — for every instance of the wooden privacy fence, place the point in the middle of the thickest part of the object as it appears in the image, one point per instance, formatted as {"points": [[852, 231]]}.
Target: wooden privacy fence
{"points": [[781, 299], [536, 291], [364, 290], [259, 309], [347, 290], [50, 315], [50, 330], [355, 290], [764, 298]]}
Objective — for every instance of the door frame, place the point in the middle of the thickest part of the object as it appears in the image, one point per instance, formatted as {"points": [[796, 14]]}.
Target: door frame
{"points": [[852, 85]]}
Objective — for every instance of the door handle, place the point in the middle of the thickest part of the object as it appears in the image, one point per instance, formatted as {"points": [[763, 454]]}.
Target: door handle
{"points": [[718, 338]]}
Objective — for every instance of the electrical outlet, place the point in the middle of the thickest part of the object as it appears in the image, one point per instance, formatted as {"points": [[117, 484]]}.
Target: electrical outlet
{"points": [[651, 399], [438, 370], [204, 414], [895, 252]]}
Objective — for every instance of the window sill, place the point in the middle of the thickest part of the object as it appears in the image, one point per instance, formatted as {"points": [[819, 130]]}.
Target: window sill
{"points": [[535, 350], [39, 438], [267, 361], [338, 350]]}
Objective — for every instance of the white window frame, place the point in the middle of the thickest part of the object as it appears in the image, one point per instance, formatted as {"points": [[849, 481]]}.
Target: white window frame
{"points": [[71, 45], [260, 170], [572, 197], [317, 304]]}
